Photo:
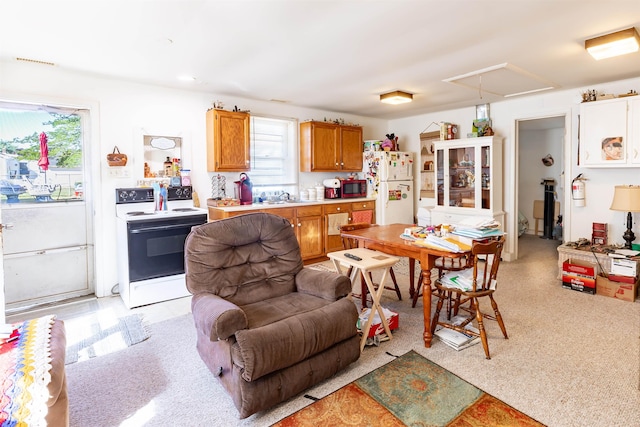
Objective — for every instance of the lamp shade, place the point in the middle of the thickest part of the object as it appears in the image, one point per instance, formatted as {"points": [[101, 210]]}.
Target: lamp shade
{"points": [[613, 44], [626, 198], [396, 97]]}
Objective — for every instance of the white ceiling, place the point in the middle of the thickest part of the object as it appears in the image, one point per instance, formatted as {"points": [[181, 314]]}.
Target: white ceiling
{"points": [[330, 55]]}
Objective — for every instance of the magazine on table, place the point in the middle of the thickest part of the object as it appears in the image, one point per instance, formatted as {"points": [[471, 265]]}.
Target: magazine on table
{"points": [[457, 340]]}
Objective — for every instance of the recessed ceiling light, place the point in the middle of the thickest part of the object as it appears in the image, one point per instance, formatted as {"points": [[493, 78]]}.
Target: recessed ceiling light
{"points": [[396, 97]]}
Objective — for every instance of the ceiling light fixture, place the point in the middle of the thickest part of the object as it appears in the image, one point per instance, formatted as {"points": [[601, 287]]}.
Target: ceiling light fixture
{"points": [[396, 97], [613, 44]]}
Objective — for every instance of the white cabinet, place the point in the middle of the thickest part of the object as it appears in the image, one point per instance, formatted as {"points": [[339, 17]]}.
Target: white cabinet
{"points": [[610, 133], [469, 180]]}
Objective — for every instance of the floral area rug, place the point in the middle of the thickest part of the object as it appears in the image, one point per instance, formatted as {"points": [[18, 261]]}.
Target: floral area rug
{"points": [[411, 391]]}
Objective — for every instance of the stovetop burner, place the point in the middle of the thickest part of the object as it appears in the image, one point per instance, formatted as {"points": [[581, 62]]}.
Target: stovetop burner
{"points": [[184, 209], [138, 213]]}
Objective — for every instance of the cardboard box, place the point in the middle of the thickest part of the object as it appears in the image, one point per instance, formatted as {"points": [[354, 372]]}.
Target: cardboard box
{"points": [[617, 290], [579, 276], [624, 267], [622, 279], [376, 326]]}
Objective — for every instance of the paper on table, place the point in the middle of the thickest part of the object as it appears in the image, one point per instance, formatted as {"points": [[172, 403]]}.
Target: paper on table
{"points": [[627, 252]]}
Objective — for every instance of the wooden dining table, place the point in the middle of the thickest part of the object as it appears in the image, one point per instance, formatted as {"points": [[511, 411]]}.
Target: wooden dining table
{"points": [[386, 238]]}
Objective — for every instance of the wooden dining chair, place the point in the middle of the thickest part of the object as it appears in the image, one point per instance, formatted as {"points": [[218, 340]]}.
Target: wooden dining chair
{"points": [[486, 261], [443, 265], [349, 243]]}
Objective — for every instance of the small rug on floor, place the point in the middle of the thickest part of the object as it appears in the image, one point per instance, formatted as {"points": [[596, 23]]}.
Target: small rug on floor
{"points": [[411, 391], [97, 337]]}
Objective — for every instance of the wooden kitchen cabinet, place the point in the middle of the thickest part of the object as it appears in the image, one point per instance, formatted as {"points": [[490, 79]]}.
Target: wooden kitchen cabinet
{"points": [[309, 230], [610, 118], [328, 147], [332, 239], [310, 222], [228, 137], [335, 215]]}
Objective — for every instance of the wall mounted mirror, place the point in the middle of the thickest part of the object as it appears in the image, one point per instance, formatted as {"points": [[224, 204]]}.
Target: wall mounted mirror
{"points": [[156, 151]]}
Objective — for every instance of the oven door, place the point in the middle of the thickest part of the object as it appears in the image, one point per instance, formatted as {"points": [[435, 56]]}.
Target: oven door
{"points": [[156, 247]]}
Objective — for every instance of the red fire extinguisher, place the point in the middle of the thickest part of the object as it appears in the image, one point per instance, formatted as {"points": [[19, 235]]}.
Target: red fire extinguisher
{"points": [[578, 190]]}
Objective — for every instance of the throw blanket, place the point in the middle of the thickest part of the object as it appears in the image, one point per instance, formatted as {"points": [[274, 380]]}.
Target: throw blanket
{"points": [[25, 365]]}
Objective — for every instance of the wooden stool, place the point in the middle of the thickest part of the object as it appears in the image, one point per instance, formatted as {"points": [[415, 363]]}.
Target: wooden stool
{"points": [[368, 261]]}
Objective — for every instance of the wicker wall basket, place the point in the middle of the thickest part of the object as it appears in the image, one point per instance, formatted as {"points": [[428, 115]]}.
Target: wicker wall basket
{"points": [[116, 158]]}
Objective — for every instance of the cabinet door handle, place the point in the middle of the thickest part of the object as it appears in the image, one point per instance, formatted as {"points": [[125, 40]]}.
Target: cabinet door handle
{"points": [[299, 225], [337, 209]]}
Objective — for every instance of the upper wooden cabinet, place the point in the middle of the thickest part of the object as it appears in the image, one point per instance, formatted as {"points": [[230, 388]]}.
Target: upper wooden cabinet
{"points": [[228, 141], [328, 147]]}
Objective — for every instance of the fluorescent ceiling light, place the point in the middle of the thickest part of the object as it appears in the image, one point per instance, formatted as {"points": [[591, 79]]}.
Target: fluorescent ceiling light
{"points": [[614, 44], [396, 97]]}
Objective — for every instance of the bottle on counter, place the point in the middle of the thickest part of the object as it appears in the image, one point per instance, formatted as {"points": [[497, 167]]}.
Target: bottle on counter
{"points": [[176, 167], [168, 167]]}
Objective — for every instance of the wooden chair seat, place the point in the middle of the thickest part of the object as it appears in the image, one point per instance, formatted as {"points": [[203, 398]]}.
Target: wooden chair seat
{"points": [[485, 261]]}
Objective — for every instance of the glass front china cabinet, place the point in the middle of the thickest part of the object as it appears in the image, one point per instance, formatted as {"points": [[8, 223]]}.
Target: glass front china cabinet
{"points": [[468, 180]]}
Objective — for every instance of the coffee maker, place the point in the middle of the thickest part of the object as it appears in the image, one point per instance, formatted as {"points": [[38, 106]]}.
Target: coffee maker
{"points": [[331, 188], [244, 189]]}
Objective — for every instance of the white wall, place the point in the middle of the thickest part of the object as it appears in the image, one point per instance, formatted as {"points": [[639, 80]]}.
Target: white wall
{"points": [[600, 184], [533, 146], [120, 113]]}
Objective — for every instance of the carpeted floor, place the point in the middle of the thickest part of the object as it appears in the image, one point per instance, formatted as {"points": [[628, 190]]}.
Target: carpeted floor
{"points": [[571, 360], [92, 336], [410, 391]]}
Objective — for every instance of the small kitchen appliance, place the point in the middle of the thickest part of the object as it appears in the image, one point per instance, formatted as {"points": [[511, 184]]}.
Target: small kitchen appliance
{"points": [[150, 243], [244, 189], [353, 188], [331, 188]]}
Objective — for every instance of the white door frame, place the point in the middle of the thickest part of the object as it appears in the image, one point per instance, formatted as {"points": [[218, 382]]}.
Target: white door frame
{"points": [[91, 141], [512, 226]]}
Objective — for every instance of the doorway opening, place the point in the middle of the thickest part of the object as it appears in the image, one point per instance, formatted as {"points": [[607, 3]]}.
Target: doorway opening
{"points": [[47, 236], [540, 171]]}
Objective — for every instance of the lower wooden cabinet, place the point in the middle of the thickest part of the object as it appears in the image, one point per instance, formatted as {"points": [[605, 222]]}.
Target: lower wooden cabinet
{"points": [[316, 226], [309, 229]]}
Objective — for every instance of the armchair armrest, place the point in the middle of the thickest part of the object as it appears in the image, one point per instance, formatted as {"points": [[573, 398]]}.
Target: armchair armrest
{"points": [[217, 317], [323, 284]]}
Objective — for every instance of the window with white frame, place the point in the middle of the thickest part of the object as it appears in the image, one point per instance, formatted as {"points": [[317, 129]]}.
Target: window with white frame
{"points": [[274, 163]]}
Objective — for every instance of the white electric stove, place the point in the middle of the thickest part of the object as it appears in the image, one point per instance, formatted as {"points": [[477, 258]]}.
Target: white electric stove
{"points": [[151, 243]]}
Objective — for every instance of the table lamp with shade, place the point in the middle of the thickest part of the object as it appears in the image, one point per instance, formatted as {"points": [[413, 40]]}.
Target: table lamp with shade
{"points": [[626, 198]]}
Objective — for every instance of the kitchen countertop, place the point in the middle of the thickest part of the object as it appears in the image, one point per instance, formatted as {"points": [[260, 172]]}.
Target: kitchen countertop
{"points": [[290, 204]]}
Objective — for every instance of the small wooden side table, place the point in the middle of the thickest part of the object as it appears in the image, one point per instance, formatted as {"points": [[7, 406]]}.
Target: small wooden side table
{"points": [[369, 260]]}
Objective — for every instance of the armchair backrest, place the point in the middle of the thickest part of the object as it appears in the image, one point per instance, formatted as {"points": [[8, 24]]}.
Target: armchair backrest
{"points": [[243, 259]]}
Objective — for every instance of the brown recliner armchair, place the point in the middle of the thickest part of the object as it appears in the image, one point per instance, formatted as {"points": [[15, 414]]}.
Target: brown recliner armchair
{"points": [[267, 327]]}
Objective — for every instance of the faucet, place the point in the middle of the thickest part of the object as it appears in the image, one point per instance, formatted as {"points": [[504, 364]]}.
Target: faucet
{"points": [[284, 196]]}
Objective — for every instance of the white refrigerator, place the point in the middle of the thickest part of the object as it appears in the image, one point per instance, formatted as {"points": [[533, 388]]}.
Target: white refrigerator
{"points": [[389, 176]]}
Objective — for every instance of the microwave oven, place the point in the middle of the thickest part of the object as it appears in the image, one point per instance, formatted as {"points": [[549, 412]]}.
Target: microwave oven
{"points": [[351, 188]]}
